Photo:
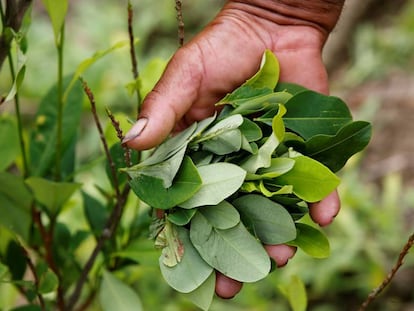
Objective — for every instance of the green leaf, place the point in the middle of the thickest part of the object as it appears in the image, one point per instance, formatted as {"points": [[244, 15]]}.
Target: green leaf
{"points": [[191, 272], [57, 11], [85, 64], [262, 83], [43, 139], [168, 148], [16, 260], [118, 158], [165, 170], [3, 271], [9, 142], [219, 181], [234, 252], [203, 295], [181, 216], [223, 137], [334, 151], [278, 166], [261, 103], [263, 157], [295, 293], [246, 94], [268, 75], [172, 247], [227, 142], [20, 73], [291, 88], [141, 251], [52, 195], [271, 191], [116, 295], [150, 74], [310, 113], [278, 126], [186, 184], [312, 241], [250, 130], [48, 282], [15, 202], [270, 222], [221, 216], [311, 180], [95, 212]]}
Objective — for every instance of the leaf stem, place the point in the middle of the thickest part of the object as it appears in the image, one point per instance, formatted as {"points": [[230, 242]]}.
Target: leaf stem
{"points": [[376, 291]]}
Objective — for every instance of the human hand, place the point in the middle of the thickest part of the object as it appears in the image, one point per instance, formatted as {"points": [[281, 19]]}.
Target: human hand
{"points": [[223, 56]]}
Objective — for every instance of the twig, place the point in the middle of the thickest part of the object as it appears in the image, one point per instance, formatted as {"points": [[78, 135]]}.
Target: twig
{"points": [[47, 237], [132, 52], [178, 8], [120, 135], [112, 166], [32, 268], [376, 291], [115, 216]]}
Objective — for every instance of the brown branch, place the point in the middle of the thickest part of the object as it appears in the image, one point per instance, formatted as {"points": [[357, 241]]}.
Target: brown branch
{"points": [[120, 135], [114, 218], [47, 238], [132, 52], [12, 18], [376, 291], [178, 8], [35, 277]]}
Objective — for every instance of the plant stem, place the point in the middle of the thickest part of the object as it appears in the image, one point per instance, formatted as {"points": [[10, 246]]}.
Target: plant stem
{"points": [[59, 46], [376, 291], [32, 268], [113, 221], [16, 106], [132, 52], [178, 8]]}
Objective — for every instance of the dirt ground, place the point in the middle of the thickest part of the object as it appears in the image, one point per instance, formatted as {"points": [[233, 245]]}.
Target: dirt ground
{"points": [[392, 145]]}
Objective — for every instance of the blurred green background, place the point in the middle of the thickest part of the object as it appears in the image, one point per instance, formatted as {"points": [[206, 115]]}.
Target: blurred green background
{"points": [[370, 58]]}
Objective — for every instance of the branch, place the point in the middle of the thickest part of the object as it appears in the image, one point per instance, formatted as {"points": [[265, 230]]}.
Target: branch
{"points": [[32, 268], [120, 135], [47, 237], [178, 8], [114, 218], [376, 291], [132, 52]]}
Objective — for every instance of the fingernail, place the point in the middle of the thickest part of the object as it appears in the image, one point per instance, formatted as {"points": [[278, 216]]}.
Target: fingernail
{"points": [[135, 130]]}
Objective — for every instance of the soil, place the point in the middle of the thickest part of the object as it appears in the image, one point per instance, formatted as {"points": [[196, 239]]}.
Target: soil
{"points": [[391, 149]]}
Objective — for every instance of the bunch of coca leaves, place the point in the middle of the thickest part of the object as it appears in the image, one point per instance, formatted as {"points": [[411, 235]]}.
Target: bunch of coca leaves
{"points": [[242, 178]]}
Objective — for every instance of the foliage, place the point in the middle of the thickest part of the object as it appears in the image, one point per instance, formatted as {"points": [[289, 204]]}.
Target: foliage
{"points": [[64, 201]]}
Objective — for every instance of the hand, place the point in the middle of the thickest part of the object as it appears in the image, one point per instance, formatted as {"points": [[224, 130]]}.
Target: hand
{"points": [[223, 56]]}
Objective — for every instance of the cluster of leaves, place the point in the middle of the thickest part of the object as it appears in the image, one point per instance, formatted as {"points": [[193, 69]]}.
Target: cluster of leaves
{"points": [[242, 178]]}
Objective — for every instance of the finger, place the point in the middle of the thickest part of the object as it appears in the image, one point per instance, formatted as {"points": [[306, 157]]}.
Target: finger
{"points": [[280, 253], [172, 96], [324, 212], [226, 287]]}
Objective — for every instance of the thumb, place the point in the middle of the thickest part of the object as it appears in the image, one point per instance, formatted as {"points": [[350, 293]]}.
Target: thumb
{"points": [[166, 104]]}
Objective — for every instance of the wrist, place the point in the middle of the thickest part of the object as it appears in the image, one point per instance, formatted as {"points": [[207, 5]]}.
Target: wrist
{"points": [[321, 14]]}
